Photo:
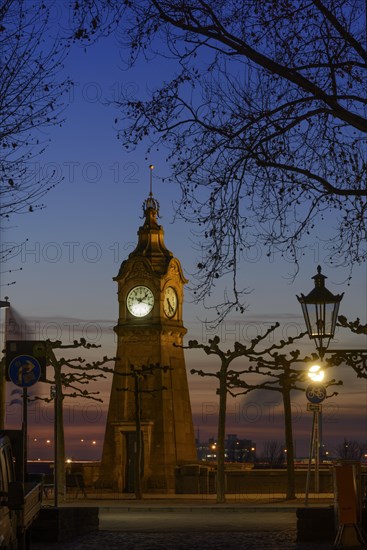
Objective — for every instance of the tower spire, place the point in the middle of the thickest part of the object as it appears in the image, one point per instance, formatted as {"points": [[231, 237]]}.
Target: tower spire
{"points": [[151, 205]]}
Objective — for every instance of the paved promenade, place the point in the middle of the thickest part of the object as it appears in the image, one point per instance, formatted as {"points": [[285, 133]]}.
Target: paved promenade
{"points": [[188, 522], [105, 540]]}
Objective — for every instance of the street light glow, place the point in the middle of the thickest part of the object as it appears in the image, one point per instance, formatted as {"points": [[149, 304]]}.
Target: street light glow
{"points": [[316, 373]]}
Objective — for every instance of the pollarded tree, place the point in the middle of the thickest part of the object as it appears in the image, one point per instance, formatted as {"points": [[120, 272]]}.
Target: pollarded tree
{"points": [[239, 380], [264, 118], [283, 373], [31, 91], [70, 378]]}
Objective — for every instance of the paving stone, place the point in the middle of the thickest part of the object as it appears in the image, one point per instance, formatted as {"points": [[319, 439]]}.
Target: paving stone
{"points": [[112, 540]]}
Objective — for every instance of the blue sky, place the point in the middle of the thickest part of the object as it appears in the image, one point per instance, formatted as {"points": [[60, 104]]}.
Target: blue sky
{"points": [[76, 244]]}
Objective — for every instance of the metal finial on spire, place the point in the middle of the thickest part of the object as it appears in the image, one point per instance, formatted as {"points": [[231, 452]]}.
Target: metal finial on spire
{"points": [[151, 168], [151, 204]]}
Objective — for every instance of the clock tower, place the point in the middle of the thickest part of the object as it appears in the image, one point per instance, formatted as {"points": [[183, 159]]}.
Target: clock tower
{"points": [[150, 294]]}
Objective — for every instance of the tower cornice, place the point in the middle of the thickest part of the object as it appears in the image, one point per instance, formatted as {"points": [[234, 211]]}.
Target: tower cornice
{"points": [[161, 329]]}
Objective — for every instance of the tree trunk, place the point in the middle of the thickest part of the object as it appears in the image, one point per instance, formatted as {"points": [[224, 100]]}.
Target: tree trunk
{"points": [[291, 484], [221, 480], [59, 429]]}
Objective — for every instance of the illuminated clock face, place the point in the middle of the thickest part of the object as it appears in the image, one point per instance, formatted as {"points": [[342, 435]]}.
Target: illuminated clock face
{"points": [[140, 301], [170, 301]]}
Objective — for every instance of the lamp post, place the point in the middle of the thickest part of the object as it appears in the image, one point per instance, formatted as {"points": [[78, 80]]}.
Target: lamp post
{"points": [[315, 394], [320, 310]]}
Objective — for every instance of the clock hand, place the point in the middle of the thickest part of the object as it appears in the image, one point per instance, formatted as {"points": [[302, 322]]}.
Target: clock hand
{"points": [[142, 299]]}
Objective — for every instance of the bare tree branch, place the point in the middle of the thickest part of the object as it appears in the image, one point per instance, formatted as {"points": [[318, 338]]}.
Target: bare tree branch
{"points": [[264, 118], [31, 99]]}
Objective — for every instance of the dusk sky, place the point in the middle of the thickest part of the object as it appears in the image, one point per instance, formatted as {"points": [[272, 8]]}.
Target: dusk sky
{"points": [[73, 248]]}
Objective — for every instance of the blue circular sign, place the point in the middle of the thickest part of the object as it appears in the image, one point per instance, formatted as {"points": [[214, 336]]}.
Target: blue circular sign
{"points": [[315, 393], [24, 370]]}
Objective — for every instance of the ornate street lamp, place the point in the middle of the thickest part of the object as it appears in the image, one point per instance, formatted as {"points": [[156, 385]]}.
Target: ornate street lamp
{"points": [[320, 309]]}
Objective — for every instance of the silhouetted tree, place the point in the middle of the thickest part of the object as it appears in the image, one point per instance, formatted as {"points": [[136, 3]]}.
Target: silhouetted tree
{"points": [[281, 376], [264, 119], [273, 452], [31, 91], [70, 376], [283, 373], [349, 450]]}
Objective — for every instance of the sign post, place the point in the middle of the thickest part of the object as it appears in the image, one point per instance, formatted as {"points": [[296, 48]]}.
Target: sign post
{"points": [[315, 394], [24, 371]]}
